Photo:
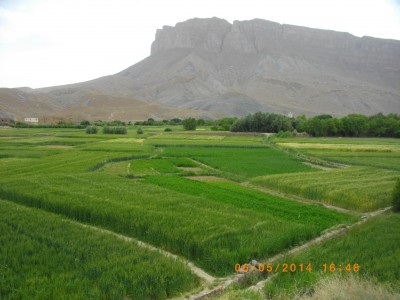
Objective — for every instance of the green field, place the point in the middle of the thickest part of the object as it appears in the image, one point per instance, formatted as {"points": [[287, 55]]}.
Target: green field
{"points": [[209, 227], [43, 256], [374, 246], [242, 162], [186, 193], [360, 189], [372, 152]]}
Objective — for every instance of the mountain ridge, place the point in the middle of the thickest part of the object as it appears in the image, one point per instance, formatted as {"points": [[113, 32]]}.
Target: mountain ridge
{"points": [[211, 68]]}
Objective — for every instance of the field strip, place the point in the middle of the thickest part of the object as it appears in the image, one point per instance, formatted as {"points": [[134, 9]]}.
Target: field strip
{"points": [[217, 172], [205, 166], [310, 159], [318, 166], [238, 278], [329, 235], [196, 270], [297, 198]]}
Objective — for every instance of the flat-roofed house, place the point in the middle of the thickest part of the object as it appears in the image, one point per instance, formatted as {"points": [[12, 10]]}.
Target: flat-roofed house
{"points": [[32, 120]]}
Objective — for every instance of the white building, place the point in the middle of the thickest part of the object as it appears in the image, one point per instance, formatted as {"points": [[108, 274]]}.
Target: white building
{"points": [[32, 120]]}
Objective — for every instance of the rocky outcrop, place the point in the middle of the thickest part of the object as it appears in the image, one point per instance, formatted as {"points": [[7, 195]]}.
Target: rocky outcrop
{"points": [[210, 67], [280, 67]]}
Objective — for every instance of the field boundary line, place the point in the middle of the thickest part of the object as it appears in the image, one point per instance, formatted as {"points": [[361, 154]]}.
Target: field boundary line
{"points": [[298, 198], [196, 270], [238, 278]]}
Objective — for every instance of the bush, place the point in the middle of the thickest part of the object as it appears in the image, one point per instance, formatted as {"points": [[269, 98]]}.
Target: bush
{"points": [[167, 129], [396, 196], [285, 134], [189, 124], [114, 130], [91, 130], [139, 131], [85, 123]]}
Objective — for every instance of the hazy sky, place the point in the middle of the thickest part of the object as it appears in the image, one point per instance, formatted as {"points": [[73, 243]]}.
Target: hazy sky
{"points": [[54, 42]]}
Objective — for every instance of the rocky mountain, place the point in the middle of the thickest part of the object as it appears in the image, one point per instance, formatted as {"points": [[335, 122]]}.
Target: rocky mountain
{"points": [[209, 68]]}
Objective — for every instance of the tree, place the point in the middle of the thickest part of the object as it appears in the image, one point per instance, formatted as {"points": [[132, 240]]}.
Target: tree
{"points": [[201, 122], [396, 196], [189, 124], [175, 121], [85, 123], [355, 125], [262, 122], [91, 130]]}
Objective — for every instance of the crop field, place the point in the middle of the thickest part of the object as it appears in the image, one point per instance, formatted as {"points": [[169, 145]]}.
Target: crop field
{"points": [[360, 246], [372, 152], [184, 193], [208, 228], [361, 189], [243, 162], [43, 256]]}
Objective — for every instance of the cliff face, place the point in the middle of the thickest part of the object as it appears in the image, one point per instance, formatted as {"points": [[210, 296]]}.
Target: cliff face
{"points": [[265, 38], [250, 65], [209, 68]]}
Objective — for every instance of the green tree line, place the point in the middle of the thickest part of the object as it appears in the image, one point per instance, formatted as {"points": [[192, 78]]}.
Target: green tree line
{"points": [[353, 125]]}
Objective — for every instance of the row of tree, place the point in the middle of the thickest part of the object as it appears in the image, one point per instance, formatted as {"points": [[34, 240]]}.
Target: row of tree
{"points": [[353, 125], [263, 122]]}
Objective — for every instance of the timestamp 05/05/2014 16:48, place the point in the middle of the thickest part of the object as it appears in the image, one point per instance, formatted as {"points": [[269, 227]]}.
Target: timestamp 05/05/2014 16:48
{"points": [[293, 267]]}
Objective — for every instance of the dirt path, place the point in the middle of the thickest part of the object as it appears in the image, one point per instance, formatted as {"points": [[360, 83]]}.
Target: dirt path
{"points": [[196, 270], [238, 278]]}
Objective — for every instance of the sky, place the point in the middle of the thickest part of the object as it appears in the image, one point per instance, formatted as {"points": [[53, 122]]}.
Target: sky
{"points": [[54, 42]]}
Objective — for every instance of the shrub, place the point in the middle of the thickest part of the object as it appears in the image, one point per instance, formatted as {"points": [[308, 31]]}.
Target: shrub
{"points": [[139, 130], [396, 196], [91, 130], [285, 134], [85, 123], [189, 124], [114, 130], [167, 129]]}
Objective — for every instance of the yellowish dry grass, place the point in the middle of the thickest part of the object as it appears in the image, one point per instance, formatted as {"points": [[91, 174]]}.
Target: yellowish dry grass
{"points": [[124, 140], [343, 147], [350, 287]]}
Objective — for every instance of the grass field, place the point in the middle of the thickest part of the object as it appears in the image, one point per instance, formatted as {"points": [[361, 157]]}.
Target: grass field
{"points": [[137, 185]]}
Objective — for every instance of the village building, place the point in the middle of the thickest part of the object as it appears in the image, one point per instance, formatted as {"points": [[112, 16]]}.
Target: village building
{"points": [[31, 120]]}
